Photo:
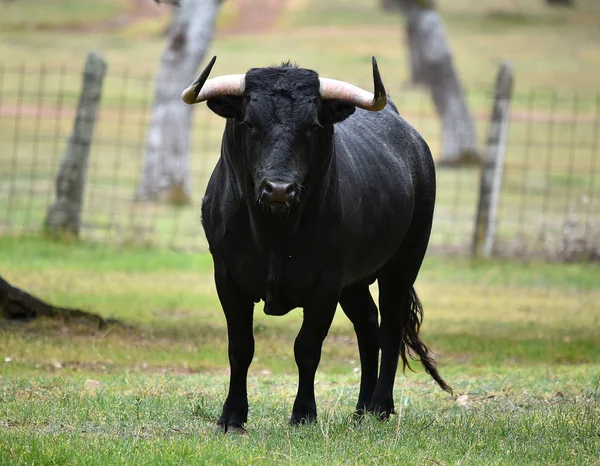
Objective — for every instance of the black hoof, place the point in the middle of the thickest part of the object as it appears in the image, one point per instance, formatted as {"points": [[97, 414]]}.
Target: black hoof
{"points": [[362, 409], [360, 413], [382, 410], [299, 418], [230, 426], [236, 430]]}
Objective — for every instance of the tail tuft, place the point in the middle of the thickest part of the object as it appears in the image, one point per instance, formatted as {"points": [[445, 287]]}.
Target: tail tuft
{"points": [[411, 340]]}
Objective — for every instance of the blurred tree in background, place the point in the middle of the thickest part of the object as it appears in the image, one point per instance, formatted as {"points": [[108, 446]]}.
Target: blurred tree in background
{"points": [[570, 3], [166, 174], [432, 66]]}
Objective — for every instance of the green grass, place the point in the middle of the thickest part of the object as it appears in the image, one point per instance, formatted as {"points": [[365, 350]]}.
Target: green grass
{"points": [[520, 341], [516, 418]]}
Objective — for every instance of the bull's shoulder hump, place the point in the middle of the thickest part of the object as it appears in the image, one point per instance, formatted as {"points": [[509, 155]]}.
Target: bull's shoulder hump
{"points": [[386, 128], [396, 143], [387, 121]]}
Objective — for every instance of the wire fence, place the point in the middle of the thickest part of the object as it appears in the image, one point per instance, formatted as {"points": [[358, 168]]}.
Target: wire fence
{"points": [[549, 202]]}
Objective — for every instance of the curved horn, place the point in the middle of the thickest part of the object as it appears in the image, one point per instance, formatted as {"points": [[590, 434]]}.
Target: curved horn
{"points": [[201, 89], [334, 89]]}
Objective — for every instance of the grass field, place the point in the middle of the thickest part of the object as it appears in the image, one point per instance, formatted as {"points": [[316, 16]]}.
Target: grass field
{"points": [[519, 343]]}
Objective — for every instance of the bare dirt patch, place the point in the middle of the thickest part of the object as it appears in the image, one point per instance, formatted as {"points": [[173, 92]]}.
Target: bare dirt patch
{"points": [[255, 16]]}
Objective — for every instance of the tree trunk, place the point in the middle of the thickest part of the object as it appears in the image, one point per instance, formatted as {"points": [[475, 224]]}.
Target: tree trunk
{"points": [[166, 173], [432, 66]]}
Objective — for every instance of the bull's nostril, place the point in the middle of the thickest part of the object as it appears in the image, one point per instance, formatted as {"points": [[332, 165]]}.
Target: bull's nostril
{"points": [[268, 187], [278, 191]]}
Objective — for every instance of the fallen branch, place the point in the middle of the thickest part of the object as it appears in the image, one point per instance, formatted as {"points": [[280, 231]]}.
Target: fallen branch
{"points": [[16, 304]]}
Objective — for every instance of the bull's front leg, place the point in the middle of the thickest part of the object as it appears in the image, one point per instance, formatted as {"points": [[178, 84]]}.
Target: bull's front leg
{"points": [[318, 315], [238, 309]]}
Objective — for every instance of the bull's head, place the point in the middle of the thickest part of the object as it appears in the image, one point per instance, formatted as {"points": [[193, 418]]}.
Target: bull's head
{"points": [[282, 124]]}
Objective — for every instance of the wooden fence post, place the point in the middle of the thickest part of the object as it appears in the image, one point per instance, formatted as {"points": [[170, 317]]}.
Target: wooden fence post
{"points": [[64, 216], [493, 165]]}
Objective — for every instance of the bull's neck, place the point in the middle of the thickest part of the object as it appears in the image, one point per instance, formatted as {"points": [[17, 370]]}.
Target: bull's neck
{"points": [[274, 237], [273, 234]]}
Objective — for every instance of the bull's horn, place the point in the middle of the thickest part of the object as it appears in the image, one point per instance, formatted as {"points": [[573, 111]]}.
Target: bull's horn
{"points": [[201, 89], [334, 89]]}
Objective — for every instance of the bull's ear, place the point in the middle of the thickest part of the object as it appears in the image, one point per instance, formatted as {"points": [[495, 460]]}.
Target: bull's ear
{"points": [[226, 106], [335, 111]]}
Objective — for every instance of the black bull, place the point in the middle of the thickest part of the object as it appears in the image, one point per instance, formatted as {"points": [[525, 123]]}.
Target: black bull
{"points": [[310, 203]]}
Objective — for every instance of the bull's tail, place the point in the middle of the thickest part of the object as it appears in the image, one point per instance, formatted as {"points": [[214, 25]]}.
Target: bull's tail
{"points": [[412, 340]]}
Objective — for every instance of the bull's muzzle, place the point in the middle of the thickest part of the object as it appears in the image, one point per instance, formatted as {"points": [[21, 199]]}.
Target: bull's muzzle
{"points": [[281, 192]]}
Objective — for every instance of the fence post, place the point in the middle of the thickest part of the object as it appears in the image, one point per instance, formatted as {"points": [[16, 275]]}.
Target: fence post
{"points": [[493, 165], [64, 216]]}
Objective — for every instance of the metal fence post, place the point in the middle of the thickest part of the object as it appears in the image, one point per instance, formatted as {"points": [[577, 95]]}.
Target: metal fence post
{"points": [[493, 165], [64, 216]]}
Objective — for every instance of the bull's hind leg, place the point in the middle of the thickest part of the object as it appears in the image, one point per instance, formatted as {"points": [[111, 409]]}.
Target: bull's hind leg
{"points": [[390, 305], [358, 305], [401, 316]]}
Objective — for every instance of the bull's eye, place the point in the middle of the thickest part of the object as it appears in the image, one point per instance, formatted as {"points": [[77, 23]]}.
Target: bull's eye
{"points": [[313, 129], [253, 131]]}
